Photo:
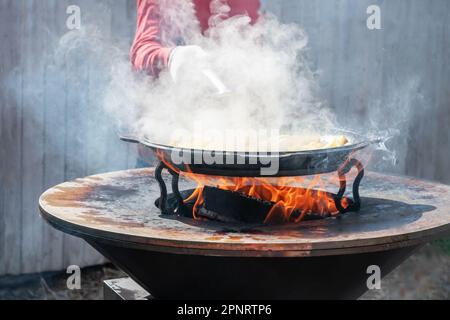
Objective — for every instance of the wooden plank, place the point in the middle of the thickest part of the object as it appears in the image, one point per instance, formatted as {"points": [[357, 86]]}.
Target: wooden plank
{"points": [[131, 12], [117, 151], [54, 114], [97, 151], [33, 133], [439, 74], [3, 72], [442, 171], [425, 144], [10, 132]]}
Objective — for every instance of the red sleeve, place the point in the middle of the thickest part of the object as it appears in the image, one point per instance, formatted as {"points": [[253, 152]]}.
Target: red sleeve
{"points": [[147, 53]]}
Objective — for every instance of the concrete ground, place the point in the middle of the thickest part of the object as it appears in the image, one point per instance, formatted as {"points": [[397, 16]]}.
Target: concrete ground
{"points": [[425, 275]]}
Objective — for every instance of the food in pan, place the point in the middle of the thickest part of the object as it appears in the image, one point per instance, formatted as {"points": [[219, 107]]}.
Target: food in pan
{"points": [[281, 143], [313, 142]]}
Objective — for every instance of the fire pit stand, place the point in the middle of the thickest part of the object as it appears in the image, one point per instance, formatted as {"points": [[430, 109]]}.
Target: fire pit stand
{"points": [[163, 189], [354, 204], [172, 256]]}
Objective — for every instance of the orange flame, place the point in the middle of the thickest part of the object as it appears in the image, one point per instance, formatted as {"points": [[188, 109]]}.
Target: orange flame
{"points": [[290, 201]]}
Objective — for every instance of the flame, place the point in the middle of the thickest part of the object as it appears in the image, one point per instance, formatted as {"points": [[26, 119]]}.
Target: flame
{"points": [[291, 199], [290, 203]]}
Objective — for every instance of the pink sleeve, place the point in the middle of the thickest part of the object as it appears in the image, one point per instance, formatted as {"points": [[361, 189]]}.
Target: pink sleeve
{"points": [[147, 54]]}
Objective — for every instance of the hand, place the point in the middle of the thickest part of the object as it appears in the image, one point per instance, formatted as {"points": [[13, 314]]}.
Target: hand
{"points": [[185, 59], [190, 62]]}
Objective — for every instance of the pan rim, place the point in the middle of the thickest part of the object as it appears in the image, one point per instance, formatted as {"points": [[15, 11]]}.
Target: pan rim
{"points": [[349, 147]]}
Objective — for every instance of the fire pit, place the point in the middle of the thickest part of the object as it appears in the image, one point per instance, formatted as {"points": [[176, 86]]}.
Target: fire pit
{"points": [[174, 256]]}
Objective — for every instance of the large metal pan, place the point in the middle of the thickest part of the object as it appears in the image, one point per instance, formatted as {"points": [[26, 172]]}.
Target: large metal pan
{"points": [[248, 164]]}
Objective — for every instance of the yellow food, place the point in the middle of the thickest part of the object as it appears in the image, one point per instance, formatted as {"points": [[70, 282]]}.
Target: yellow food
{"points": [[282, 143]]}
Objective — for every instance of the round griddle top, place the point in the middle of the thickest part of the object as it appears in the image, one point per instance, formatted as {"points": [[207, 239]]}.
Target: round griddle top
{"points": [[396, 212]]}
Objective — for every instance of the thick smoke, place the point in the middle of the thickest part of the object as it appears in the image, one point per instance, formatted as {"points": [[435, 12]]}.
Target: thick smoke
{"points": [[262, 65]]}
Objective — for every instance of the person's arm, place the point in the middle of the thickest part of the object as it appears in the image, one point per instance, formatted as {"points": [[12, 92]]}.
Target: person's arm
{"points": [[147, 53]]}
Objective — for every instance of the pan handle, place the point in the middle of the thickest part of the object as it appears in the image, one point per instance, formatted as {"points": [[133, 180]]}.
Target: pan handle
{"points": [[129, 138]]}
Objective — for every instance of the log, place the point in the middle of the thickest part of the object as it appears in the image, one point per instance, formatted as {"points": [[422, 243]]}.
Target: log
{"points": [[228, 206]]}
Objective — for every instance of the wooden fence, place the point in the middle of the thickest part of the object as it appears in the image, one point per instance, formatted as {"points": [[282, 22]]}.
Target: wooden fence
{"points": [[52, 131]]}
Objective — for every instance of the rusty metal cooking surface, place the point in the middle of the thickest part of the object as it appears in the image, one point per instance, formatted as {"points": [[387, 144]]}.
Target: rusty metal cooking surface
{"points": [[119, 206]]}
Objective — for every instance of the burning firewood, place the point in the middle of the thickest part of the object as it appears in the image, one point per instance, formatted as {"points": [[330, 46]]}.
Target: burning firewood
{"points": [[228, 206], [235, 207]]}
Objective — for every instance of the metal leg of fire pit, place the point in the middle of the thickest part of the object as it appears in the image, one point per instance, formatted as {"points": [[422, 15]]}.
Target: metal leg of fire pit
{"points": [[356, 204], [162, 186], [175, 189]]}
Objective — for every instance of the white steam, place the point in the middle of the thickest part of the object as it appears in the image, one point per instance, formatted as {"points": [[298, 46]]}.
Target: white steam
{"points": [[262, 65]]}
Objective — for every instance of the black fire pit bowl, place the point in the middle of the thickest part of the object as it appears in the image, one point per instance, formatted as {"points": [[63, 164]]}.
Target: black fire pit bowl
{"points": [[185, 276]]}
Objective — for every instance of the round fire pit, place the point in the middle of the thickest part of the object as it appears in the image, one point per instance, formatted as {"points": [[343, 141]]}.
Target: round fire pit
{"points": [[178, 257]]}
